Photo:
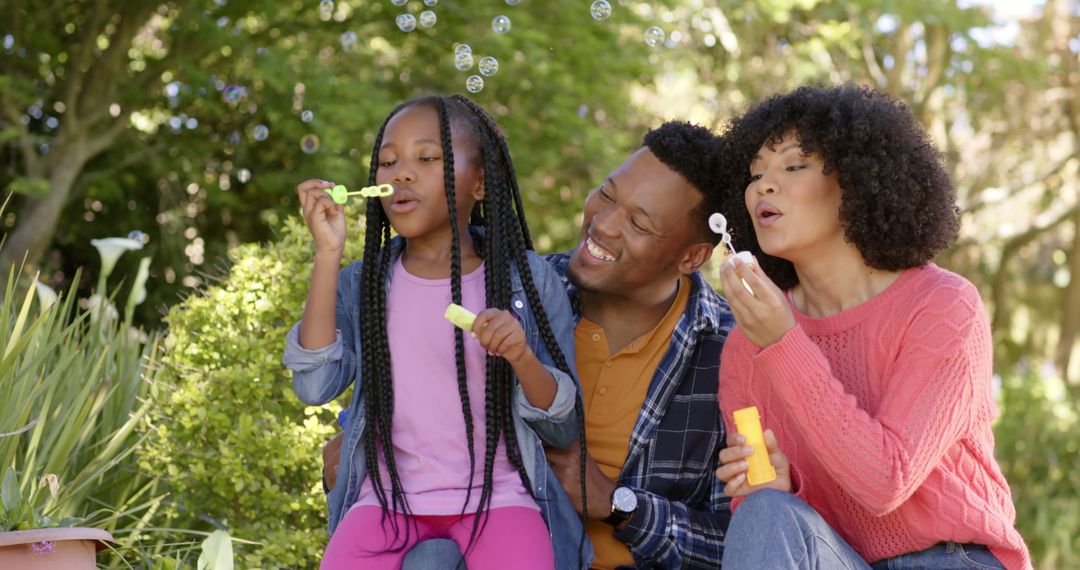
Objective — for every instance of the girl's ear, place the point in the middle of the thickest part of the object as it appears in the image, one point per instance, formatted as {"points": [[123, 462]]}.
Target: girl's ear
{"points": [[478, 190]]}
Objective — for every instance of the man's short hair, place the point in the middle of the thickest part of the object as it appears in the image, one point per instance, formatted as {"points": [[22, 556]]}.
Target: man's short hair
{"points": [[692, 151]]}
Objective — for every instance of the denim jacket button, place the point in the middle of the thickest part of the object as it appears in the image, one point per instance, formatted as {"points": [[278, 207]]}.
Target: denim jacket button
{"points": [[519, 304]]}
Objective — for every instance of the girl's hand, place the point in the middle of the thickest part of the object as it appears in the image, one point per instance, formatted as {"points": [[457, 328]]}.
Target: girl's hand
{"points": [[734, 464], [765, 316], [325, 219], [500, 333]]}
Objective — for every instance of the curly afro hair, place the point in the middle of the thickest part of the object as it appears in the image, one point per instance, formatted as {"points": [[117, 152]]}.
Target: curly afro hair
{"points": [[898, 205], [693, 152]]}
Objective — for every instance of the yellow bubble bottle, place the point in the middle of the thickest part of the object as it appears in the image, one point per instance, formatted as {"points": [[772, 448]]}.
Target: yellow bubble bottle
{"points": [[748, 424]]}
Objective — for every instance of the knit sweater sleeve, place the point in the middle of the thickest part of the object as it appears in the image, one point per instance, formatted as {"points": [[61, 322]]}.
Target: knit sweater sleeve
{"points": [[927, 390], [735, 374]]}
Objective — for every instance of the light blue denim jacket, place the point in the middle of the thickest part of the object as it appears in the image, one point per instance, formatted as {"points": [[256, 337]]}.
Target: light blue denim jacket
{"points": [[322, 375]]}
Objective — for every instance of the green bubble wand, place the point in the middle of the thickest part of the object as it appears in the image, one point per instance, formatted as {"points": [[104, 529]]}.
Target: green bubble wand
{"points": [[340, 194]]}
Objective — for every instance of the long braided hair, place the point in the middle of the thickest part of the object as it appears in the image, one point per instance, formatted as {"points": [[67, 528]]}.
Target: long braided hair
{"points": [[505, 243]]}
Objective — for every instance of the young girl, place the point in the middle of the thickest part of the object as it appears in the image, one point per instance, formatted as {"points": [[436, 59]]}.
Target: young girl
{"points": [[412, 467], [870, 364]]}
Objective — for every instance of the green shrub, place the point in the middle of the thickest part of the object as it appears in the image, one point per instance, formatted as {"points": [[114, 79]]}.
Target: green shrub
{"points": [[1038, 446], [232, 441]]}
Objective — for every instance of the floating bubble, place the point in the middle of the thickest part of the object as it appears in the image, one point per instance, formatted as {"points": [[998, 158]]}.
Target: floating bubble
{"points": [[399, 2], [488, 66], [601, 10], [243, 175], [260, 132], [474, 84], [582, 111], [348, 39], [463, 61], [654, 36], [431, 2], [233, 93], [428, 19], [406, 22], [307, 116], [463, 48], [513, 2], [326, 10], [9, 41], [137, 236], [500, 24], [309, 143]]}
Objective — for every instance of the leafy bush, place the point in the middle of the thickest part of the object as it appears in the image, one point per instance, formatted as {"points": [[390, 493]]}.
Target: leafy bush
{"points": [[1038, 446], [232, 441]]}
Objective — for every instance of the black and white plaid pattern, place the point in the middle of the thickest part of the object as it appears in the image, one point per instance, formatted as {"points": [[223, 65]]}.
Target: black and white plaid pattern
{"points": [[682, 512]]}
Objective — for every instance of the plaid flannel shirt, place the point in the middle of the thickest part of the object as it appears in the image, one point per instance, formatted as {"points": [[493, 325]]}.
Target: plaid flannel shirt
{"points": [[682, 512]]}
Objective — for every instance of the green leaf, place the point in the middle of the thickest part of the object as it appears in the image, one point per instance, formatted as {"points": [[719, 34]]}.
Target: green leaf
{"points": [[36, 187], [217, 552], [9, 490]]}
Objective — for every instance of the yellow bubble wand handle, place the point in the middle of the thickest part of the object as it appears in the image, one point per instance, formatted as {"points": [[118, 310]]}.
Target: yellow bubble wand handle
{"points": [[340, 194], [748, 423], [460, 316]]}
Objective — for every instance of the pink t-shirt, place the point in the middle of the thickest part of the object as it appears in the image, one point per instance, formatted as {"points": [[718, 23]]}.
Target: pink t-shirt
{"points": [[429, 429]]}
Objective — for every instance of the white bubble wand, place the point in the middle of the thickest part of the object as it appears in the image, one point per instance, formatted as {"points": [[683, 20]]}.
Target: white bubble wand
{"points": [[718, 224]]}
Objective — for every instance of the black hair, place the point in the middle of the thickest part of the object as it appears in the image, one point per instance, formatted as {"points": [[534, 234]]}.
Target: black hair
{"points": [[504, 244], [692, 151], [898, 205]]}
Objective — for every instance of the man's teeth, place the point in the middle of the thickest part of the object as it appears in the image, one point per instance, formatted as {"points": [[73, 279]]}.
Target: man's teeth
{"points": [[597, 252]]}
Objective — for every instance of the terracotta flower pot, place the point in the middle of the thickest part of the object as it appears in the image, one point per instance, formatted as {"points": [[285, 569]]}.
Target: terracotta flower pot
{"points": [[52, 548]]}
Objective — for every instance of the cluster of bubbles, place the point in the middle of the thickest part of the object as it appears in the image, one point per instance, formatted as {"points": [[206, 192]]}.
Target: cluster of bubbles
{"points": [[601, 10], [407, 22], [463, 61]]}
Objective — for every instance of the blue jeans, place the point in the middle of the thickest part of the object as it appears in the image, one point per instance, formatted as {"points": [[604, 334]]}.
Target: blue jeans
{"points": [[434, 554], [773, 529]]}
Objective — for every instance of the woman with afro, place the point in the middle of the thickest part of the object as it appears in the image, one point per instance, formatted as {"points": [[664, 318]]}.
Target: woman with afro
{"points": [[869, 365]]}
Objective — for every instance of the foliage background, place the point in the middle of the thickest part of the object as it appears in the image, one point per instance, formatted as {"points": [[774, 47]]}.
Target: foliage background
{"points": [[112, 118]]}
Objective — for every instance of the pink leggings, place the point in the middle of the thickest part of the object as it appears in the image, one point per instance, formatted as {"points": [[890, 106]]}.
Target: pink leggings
{"points": [[515, 537]]}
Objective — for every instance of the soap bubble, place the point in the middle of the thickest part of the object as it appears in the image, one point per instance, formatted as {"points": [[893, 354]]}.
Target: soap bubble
{"points": [[399, 2], [462, 48], [137, 236], [601, 10], [463, 61], [488, 66], [474, 84], [307, 116], [431, 2], [233, 93], [428, 19], [654, 36], [260, 132], [406, 22], [513, 2], [309, 143], [348, 39], [243, 175], [500, 24], [326, 10]]}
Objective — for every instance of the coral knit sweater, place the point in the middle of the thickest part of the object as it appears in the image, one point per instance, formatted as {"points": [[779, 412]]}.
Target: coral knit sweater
{"points": [[884, 412]]}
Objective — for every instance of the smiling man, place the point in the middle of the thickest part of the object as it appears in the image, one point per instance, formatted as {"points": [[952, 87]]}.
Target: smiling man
{"points": [[648, 342]]}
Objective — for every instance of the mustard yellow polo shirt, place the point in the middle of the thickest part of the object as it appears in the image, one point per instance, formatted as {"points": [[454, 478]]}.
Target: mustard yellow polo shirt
{"points": [[614, 389]]}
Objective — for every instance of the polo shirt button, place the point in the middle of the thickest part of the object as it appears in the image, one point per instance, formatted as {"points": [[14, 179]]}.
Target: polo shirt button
{"points": [[603, 390], [519, 304], [595, 337]]}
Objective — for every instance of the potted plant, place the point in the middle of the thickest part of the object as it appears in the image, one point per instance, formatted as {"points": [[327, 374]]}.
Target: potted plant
{"points": [[32, 540]]}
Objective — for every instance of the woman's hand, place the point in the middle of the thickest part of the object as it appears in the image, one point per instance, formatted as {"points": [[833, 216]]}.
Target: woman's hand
{"points": [[325, 219], [734, 464], [764, 316]]}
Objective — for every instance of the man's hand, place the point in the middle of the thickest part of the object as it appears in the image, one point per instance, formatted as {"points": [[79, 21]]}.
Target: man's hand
{"points": [[566, 463], [331, 455]]}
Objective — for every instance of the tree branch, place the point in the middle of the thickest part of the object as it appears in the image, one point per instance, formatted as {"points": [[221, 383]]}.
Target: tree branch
{"points": [[979, 204]]}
